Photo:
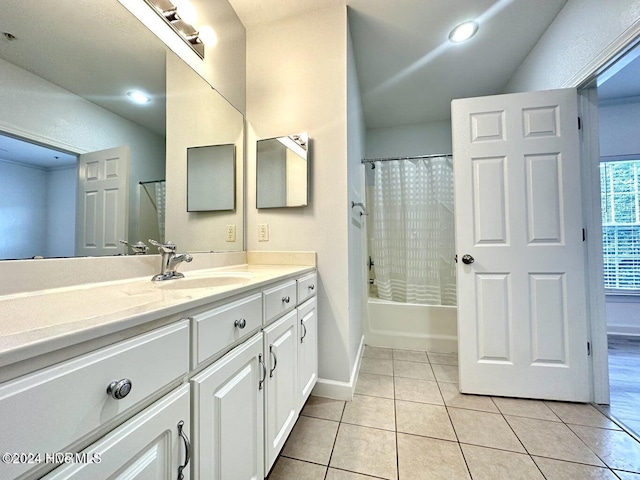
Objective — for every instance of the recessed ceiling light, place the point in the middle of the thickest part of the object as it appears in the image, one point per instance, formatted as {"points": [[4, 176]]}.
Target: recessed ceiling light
{"points": [[139, 97], [463, 32]]}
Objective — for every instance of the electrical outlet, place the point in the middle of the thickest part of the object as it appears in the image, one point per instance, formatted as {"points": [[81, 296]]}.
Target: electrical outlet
{"points": [[263, 232], [231, 233]]}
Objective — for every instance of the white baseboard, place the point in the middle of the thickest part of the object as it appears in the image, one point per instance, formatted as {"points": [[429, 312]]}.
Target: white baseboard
{"points": [[340, 390], [623, 330]]}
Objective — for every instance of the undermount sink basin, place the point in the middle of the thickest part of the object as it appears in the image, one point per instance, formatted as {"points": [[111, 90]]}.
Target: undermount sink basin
{"points": [[209, 281]]}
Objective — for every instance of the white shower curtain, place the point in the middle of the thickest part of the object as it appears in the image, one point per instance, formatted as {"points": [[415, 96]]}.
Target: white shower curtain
{"points": [[161, 192], [412, 243]]}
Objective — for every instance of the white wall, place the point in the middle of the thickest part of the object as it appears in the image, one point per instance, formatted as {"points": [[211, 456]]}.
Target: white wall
{"points": [[197, 116], [36, 109], [619, 128], [61, 212], [623, 315], [23, 207], [296, 81], [407, 140], [357, 230], [580, 32]]}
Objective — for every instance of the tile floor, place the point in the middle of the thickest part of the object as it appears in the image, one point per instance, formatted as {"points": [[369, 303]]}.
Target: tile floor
{"points": [[407, 421]]}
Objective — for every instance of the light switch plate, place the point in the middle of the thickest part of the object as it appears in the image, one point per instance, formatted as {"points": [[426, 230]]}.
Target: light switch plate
{"points": [[230, 233], [263, 232]]}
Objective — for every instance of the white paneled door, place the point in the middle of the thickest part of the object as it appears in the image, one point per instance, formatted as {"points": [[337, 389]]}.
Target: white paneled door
{"points": [[522, 325], [103, 202]]}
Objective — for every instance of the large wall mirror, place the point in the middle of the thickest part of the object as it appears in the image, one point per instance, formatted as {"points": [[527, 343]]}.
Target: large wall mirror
{"points": [[282, 171], [68, 129]]}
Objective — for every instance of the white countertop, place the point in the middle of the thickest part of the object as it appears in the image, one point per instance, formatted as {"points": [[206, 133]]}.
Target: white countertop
{"points": [[41, 322]]}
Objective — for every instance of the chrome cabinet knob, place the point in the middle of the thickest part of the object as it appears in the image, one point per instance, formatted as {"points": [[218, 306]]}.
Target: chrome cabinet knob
{"points": [[467, 259], [119, 389], [286, 299], [240, 323]]}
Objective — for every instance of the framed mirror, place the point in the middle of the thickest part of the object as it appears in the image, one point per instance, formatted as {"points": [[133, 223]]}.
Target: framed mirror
{"points": [[211, 178], [67, 92], [282, 169]]}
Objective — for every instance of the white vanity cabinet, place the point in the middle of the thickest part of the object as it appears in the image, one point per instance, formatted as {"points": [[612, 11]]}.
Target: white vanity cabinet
{"points": [[282, 407], [51, 409], [152, 445], [228, 409], [307, 349], [210, 391]]}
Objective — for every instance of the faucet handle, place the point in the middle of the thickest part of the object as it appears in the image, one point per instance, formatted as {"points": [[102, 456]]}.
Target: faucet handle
{"points": [[138, 249], [168, 247]]}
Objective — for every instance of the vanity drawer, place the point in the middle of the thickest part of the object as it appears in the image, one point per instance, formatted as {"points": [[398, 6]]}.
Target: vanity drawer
{"points": [[307, 287], [220, 327], [70, 400], [278, 300]]}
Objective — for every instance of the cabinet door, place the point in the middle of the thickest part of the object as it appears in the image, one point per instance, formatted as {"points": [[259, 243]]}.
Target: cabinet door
{"points": [[281, 352], [147, 447], [228, 416], [307, 349]]}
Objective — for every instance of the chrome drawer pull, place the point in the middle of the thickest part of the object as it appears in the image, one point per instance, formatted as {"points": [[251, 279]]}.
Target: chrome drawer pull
{"points": [[305, 331], [286, 299], [240, 323], [312, 286], [275, 361], [187, 448], [264, 372], [119, 389]]}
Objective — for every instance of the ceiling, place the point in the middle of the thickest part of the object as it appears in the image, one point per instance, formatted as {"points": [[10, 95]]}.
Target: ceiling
{"points": [[408, 70], [101, 54], [622, 80], [23, 152]]}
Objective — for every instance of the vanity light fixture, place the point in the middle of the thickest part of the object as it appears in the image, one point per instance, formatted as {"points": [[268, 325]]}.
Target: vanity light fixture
{"points": [[463, 32], [139, 97], [180, 15], [296, 143]]}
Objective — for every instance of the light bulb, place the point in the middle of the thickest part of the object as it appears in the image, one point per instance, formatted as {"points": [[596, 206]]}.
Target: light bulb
{"points": [[463, 32], [208, 36], [186, 11]]}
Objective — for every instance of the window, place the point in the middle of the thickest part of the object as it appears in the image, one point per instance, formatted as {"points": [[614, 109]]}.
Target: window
{"points": [[620, 197]]}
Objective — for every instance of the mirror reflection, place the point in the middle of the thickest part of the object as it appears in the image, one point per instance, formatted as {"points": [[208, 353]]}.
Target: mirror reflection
{"points": [[83, 131], [282, 171], [199, 116], [211, 172]]}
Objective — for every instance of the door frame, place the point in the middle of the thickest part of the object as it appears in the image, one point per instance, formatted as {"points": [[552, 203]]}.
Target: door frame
{"points": [[585, 81]]}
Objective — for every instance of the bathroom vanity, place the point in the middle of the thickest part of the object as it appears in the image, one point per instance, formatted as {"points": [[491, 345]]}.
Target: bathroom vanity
{"points": [[202, 377]]}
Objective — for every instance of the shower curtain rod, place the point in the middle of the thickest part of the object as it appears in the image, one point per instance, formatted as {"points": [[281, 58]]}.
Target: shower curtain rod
{"points": [[151, 181], [414, 157]]}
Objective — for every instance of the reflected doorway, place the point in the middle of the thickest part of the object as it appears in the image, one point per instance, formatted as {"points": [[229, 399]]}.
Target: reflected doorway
{"points": [[38, 203]]}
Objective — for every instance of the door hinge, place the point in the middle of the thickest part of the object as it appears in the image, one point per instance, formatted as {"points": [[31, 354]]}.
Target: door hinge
{"points": [[579, 123], [584, 234], [588, 348]]}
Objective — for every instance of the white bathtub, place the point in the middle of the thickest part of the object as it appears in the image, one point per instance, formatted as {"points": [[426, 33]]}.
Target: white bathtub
{"points": [[411, 326]]}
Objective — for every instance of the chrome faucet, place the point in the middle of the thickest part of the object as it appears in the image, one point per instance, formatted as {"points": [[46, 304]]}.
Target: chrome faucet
{"points": [[138, 249], [170, 261]]}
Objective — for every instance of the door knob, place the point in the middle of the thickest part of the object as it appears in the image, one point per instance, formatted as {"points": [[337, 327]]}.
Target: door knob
{"points": [[467, 259]]}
